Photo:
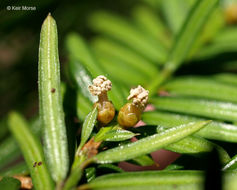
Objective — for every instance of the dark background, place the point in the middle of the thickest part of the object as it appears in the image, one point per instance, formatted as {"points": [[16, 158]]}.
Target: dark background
{"points": [[19, 40]]}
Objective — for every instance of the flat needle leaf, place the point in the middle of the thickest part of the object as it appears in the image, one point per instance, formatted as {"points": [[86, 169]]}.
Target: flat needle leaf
{"points": [[32, 152], [148, 144], [186, 37], [51, 110], [88, 126]]}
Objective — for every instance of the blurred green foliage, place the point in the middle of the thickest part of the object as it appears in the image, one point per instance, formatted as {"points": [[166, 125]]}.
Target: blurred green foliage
{"points": [[19, 39], [184, 50]]}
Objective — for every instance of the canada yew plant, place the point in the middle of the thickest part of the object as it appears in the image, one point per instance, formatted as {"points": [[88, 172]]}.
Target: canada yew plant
{"points": [[165, 55]]}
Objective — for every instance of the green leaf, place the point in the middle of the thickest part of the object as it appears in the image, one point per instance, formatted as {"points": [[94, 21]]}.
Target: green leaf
{"points": [[211, 29], [149, 180], [82, 79], [227, 34], [201, 87], [79, 50], [214, 130], [18, 169], [143, 160], [150, 22], [145, 130], [187, 36], [222, 43], [227, 78], [182, 180], [100, 135], [118, 94], [215, 49], [9, 150], [77, 168], [231, 165], [190, 145], [190, 30], [207, 108], [84, 106], [88, 126], [229, 180], [118, 135], [113, 133], [111, 48], [148, 144], [118, 28], [51, 110], [196, 145], [90, 173], [9, 183], [32, 152], [174, 9], [73, 179], [116, 68], [153, 3], [173, 167], [110, 167]]}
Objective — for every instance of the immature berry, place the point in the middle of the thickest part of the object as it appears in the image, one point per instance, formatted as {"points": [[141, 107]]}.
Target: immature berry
{"points": [[231, 13], [101, 85], [130, 113], [106, 111]]}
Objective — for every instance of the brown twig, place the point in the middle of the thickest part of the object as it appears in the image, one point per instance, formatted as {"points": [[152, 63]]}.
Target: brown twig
{"points": [[26, 182], [91, 148]]}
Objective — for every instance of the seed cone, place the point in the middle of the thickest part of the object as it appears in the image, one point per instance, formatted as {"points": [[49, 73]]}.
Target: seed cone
{"points": [[101, 85], [106, 112], [129, 115]]}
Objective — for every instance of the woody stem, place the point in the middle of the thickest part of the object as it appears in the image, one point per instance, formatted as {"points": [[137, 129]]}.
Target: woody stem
{"points": [[103, 97]]}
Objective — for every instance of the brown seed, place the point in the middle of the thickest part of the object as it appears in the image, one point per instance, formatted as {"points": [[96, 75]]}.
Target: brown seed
{"points": [[40, 163], [35, 164], [53, 90]]}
